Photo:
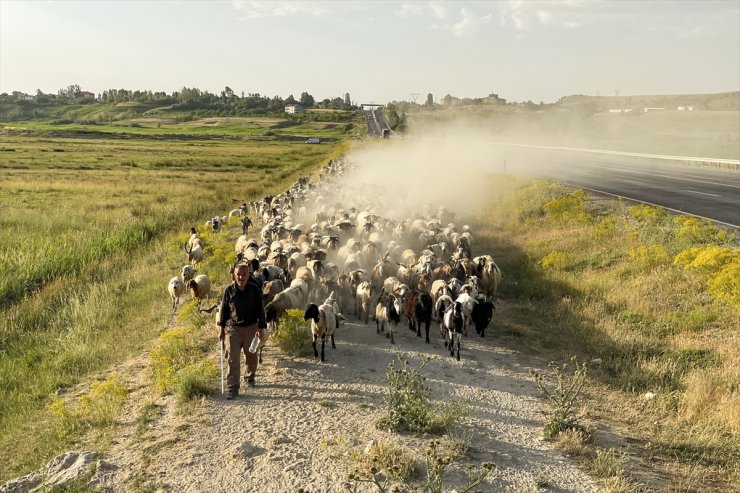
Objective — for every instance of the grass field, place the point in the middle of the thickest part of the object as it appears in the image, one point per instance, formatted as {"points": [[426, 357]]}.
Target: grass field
{"points": [[90, 224], [93, 232]]}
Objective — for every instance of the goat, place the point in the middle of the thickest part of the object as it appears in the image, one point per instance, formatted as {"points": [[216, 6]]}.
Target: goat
{"points": [[195, 252], [387, 310], [482, 315], [363, 296], [323, 324], [453, 323]]}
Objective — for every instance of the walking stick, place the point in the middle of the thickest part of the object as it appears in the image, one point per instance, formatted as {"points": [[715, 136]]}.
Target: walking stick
{"points": [[222, 365]]}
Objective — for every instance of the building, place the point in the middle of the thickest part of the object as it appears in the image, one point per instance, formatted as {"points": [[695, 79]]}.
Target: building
{"points": [[494, 99], [87, 95], [294, 108]]}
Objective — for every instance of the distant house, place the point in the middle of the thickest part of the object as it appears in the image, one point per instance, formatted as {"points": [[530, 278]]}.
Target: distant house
{"points": [[494, 99], [653, 109], [620, 110], [87, 95], [685, 108], [294, 108]]}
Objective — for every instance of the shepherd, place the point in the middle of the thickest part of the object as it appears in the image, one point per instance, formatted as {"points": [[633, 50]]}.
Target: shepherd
{"points": [[241, 318]]}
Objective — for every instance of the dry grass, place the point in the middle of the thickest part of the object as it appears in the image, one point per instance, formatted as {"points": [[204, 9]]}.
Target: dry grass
{"points": [[618, 296]]}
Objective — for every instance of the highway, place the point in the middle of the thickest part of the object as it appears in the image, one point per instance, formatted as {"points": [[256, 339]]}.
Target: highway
{"points": [[702, 191]]}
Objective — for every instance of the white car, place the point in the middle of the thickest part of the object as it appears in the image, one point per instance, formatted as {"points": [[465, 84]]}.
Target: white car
{"points": [[313, 140]]}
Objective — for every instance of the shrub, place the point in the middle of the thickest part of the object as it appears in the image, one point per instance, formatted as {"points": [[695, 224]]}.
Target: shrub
{"points": [[647, 258], [707, 260], [725, 284], [570, 209], [408, 404], [647, 213], [293, 336], [557, 261], [604, 229], [693, 230], [175, 349], [562, 396]]}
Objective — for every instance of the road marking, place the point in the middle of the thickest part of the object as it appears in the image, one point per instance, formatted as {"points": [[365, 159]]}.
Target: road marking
{"points": [[702, 193], [630, 181], [653, 173]]}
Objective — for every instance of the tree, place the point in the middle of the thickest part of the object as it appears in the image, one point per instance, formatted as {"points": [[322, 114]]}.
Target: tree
{"points": [[347, 100], [290, 100], [430, 100], [306, 99], [447, 100]]}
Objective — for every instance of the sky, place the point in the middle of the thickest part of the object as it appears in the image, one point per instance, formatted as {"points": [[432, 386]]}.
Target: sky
{"points": [[377, 51]]}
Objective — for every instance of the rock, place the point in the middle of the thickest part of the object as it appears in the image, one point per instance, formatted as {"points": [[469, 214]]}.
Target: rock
{"points": [[244, 451], [369, 447], [104, 473], [596, 361], [68, 467], [649, 396], [23, 484], [60, 470], [279, 440]]}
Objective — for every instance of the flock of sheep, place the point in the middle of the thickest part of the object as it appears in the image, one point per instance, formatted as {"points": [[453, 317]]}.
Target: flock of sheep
{"points": [[324, 248]]}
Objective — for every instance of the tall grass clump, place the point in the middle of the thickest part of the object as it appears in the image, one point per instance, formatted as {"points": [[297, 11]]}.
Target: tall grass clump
{"points": [[383, 478], [293, 335]]}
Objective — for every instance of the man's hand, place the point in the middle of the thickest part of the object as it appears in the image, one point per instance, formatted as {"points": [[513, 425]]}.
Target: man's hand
{"points": [[260, 333]]}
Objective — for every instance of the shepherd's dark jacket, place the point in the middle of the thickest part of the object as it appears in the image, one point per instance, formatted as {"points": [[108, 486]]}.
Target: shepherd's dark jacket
{"points": [[242, 308]]}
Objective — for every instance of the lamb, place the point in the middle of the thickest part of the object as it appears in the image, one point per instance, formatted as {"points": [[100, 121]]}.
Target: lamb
{"points": [[187, 273], [200, 287], [176, 288], [323, 324]]}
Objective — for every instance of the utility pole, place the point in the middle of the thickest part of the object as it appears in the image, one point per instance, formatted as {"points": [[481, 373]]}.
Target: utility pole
{"points": [[414, 95]]}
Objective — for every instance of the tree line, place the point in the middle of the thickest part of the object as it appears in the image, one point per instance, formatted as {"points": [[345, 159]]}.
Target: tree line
{"points": [[186, 99]]}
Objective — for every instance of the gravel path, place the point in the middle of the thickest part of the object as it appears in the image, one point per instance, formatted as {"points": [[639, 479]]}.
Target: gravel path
{"points": [[298, 426]]}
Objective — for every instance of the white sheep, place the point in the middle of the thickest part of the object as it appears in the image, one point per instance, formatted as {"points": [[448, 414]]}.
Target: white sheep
{"points": [[176, 288], [291, 297], [187, 272], [200, 287]]}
